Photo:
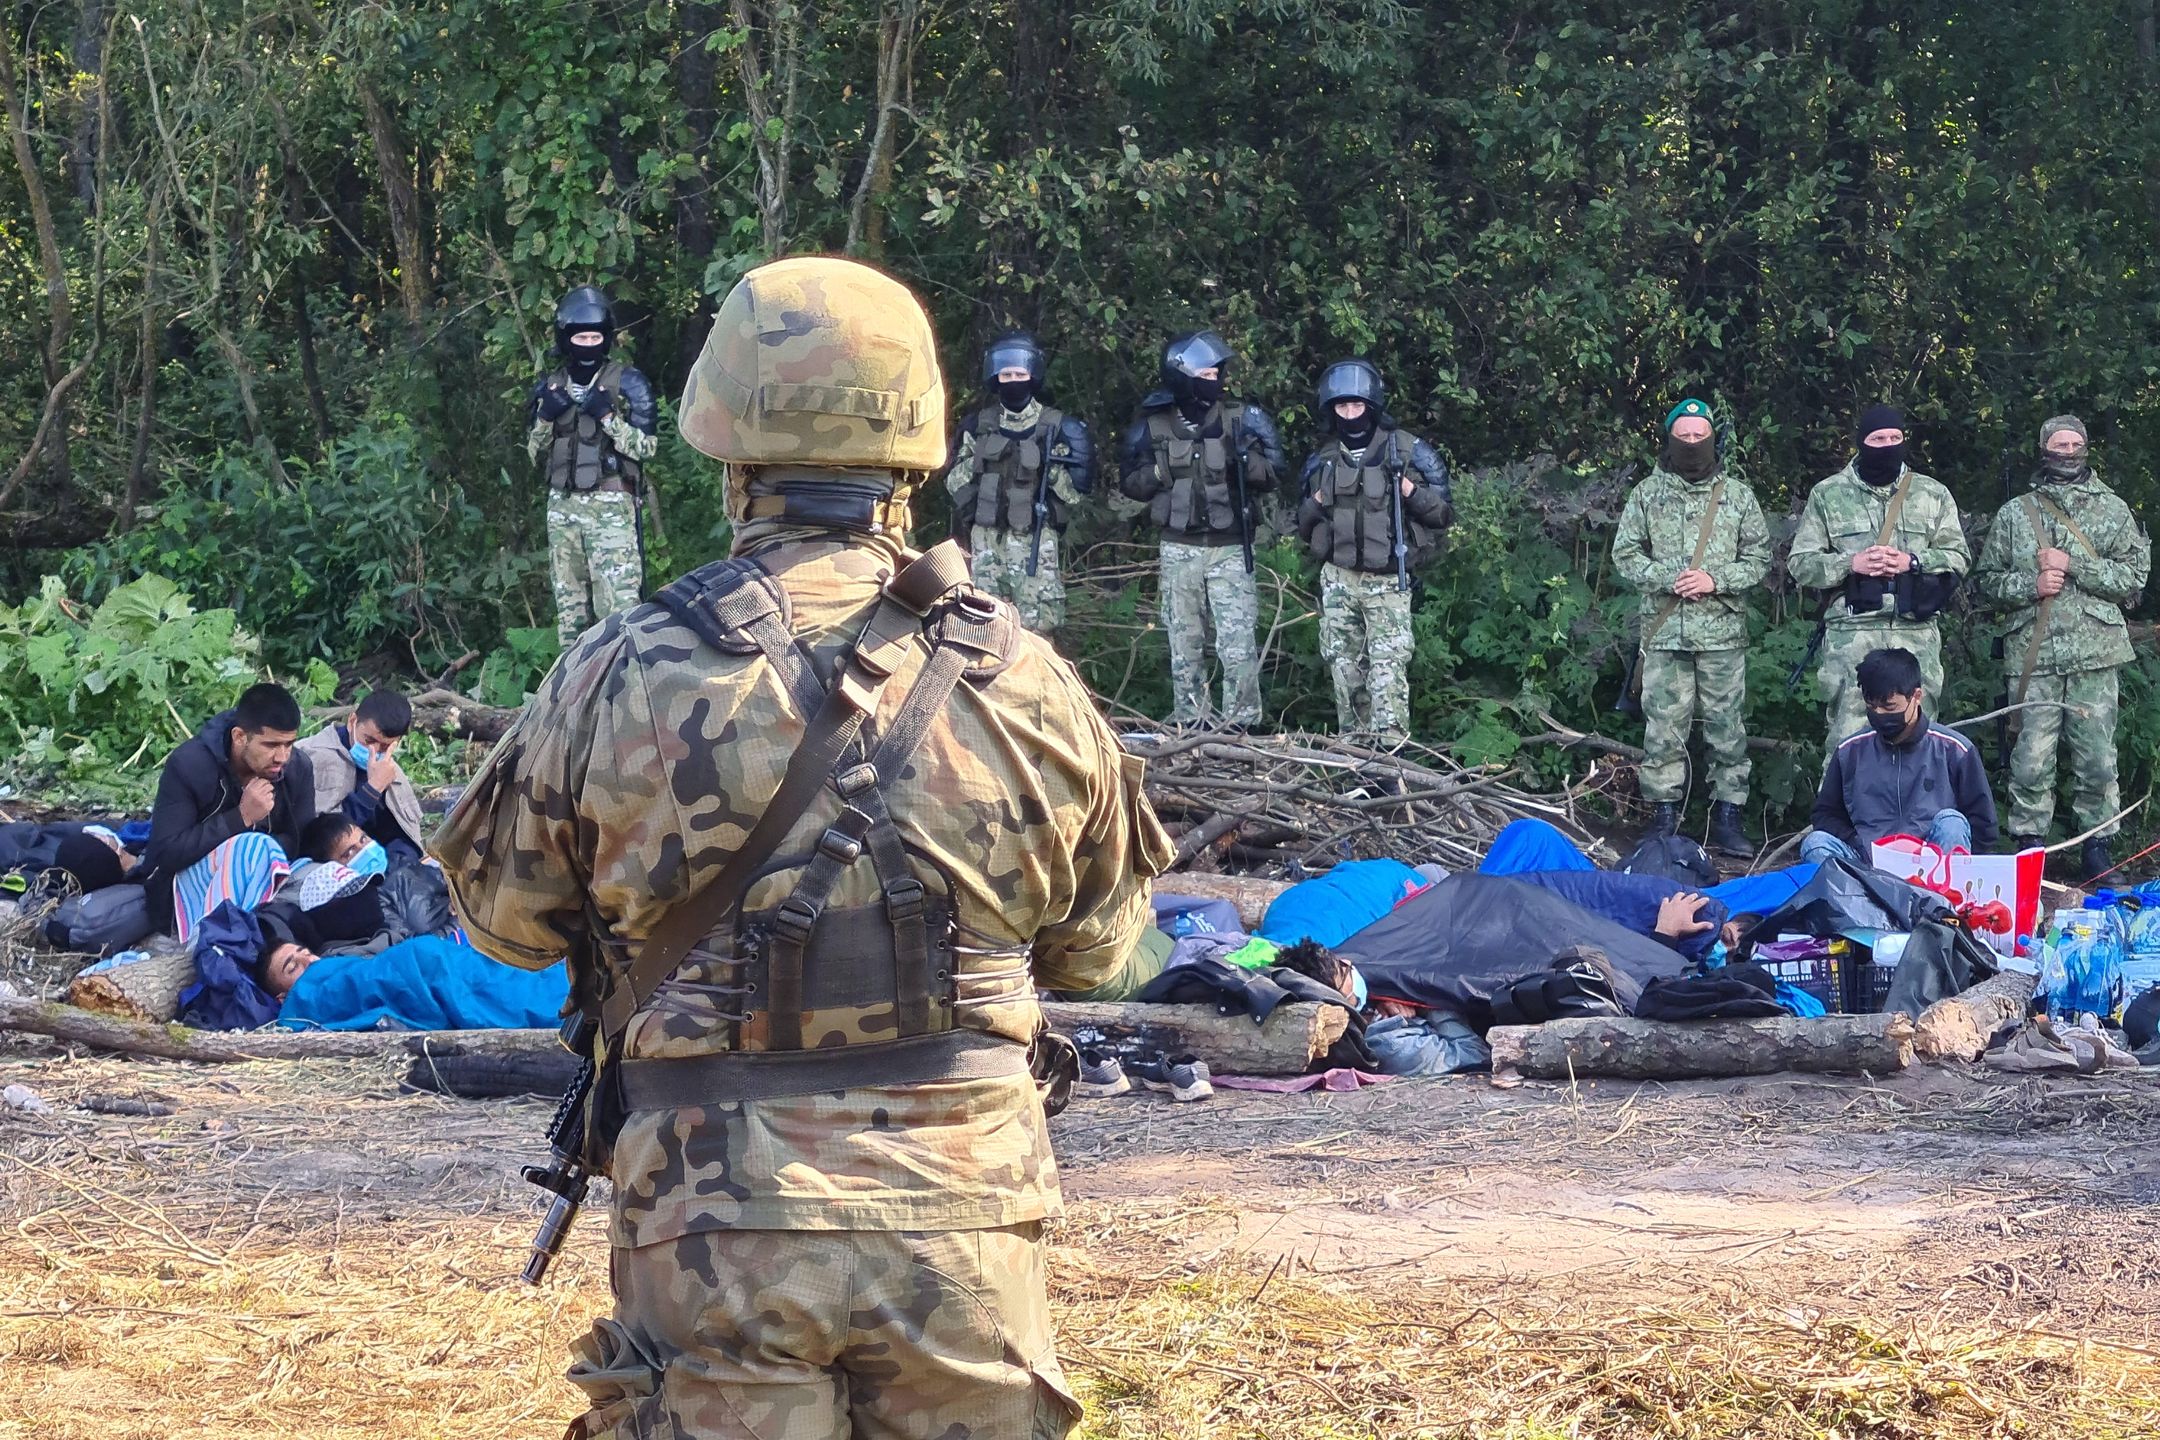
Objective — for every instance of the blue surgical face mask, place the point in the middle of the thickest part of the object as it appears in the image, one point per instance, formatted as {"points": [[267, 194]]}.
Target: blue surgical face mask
{"points": [[361, 755], [1357, 988], [372, 860]]}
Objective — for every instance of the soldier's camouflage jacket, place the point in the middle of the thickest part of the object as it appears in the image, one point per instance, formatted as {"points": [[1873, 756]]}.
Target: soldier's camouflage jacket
{"points": [[2085, 625], [1843, 516], [641, 765], [1656, 540]]}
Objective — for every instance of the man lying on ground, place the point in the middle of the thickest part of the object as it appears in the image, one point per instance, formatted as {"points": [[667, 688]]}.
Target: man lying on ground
{"points": [[1903, 775], [333, 839], [357, 775], [230, 806]]}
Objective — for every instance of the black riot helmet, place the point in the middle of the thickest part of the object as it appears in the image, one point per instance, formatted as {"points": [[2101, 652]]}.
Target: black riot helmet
{"points": [[585, 308], [1016, 349], [1350, 380], [1185, 357]]}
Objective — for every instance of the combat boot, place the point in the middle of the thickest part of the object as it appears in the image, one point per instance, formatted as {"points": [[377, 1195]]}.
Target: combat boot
{"points": [[2093, 861], [1664, 820], [2019, 844], [1728, 835]]}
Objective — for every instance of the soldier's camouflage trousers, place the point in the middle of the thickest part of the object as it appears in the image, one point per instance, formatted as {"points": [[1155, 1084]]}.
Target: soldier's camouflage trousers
{"points": [[997, 559], [2087, 730], [1200, 582], [826, 1335], [1679, 686], [1365, 639], [593, 557], [1845, 646]]}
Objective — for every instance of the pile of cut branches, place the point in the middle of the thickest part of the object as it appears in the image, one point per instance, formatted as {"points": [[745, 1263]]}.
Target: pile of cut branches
{"points": [[1280, 803]]}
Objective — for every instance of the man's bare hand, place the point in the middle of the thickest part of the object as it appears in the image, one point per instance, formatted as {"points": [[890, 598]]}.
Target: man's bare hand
{"points": [[257, 799], [1678, 915]]}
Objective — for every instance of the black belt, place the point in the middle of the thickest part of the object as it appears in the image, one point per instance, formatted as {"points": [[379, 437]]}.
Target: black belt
{"points": [[783, 1074]]}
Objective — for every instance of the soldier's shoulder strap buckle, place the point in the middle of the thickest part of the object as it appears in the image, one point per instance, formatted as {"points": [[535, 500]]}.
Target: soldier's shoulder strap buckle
{"points": [[724, 601]]}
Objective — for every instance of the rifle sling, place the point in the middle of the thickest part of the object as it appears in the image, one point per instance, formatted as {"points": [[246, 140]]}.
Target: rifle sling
{"points": [[1672, 603], [852, 698], [2034, 506]]}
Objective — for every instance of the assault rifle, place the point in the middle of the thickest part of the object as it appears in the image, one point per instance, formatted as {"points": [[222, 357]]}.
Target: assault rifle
{"points": [[1395, 473], [1042, 514], [564, 1176], [1243, 496]]}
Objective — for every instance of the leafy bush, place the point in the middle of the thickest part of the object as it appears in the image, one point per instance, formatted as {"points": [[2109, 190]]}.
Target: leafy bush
{"points": [[91, 700]]}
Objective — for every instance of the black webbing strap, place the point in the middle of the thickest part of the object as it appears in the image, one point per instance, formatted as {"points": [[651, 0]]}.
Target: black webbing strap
{"points": [[781, 1074], [846, 704]]}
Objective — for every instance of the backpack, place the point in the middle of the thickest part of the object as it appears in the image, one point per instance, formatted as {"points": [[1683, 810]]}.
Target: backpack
{"points": [[1579, 983], [100, 922], [1675, 857]]}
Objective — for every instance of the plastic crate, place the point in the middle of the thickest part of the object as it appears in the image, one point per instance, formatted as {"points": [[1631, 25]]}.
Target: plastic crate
{"points": [[1867, 986], [1822, 976]]}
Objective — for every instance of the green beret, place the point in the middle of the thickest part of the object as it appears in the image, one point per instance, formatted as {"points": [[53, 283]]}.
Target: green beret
{"points": [[1689, 406]]}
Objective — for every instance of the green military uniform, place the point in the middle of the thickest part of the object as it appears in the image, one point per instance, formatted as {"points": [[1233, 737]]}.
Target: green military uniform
{"points": [[2083, 648], [1694, 652], [1843, 516], [998, 464], [594, 466], [795, 1258]]}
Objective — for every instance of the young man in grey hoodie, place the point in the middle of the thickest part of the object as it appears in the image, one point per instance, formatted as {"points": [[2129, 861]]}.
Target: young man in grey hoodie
{"points": [[1903, 775]]}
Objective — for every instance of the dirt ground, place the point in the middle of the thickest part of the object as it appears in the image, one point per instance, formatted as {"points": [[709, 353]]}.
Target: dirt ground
{"points": [[304, 1250]]}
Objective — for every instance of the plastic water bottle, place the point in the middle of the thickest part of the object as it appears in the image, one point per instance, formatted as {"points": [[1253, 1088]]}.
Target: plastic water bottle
{"points": [[2054, 970], [2081, 969]]}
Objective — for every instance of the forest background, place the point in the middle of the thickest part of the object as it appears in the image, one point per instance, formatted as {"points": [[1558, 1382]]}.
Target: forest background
{"points": [[279, 275]]}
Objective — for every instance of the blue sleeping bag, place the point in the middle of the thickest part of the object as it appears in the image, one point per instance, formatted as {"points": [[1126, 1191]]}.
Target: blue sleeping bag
{"points": [[1331, 908], [427, 983]]}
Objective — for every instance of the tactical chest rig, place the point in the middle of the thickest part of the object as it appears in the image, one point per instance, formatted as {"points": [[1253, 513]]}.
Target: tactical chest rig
{"points": [[1009, 470], [581, 456], [1359, 507], [827, 997], [1198, 499]]}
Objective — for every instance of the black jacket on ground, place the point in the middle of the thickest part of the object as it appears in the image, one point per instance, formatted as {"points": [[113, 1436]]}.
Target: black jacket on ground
{"points": [[198, 809], [1873, 788]]}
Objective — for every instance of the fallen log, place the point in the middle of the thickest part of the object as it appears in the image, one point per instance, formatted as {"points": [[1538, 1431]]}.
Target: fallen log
{"points": [[1249, 893], [146, 989], [1294, 1037], [1957, 1027], [445, 712], [1629, 1049]]}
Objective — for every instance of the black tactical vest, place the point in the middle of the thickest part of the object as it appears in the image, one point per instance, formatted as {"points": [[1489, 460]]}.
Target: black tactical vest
{"points": [[1009, 470], [581, 456], [1198, 498], [1358, 505]]}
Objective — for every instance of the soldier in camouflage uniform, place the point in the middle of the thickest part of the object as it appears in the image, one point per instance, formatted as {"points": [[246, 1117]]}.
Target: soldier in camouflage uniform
{"points": [[2064, 560], [1190, 454], [1694, 624], [1019, 468], [830, 1164], [1375, 502], [596, 424], [1891, 586]]}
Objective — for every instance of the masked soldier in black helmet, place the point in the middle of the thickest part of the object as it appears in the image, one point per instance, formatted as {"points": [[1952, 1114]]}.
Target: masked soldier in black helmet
{"points": [[595, 423], [1019, 467], [1375, 500], [1202, 462]]}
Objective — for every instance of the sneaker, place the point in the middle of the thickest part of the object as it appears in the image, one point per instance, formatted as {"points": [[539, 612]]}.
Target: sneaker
{"points": [[1101, 1076], [1185, 1077]]}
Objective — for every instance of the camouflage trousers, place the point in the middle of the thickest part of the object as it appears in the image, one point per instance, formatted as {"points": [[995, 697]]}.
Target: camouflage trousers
{"points": [[593, 557], [826, 1335], [1845, 646], [1199, 582], [2087, 729], [1365, 639], [998, 560], [1678, 687]]}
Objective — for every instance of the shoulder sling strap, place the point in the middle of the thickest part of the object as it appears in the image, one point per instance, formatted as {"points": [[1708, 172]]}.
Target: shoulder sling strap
{"points": [[2036, 510], [834, 725], [1672, 602]]}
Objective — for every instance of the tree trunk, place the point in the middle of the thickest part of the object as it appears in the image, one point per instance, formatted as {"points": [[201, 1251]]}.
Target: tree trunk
{"points": [[146, 414], [60, 310], [1249, 893], [771, 93], [178, 1042], [1295, 1037], [1958, 1027], [403, 205], [89, 57], [445, 712], [696, 78], [1627, 1049], [896, 51], [149, 989]]}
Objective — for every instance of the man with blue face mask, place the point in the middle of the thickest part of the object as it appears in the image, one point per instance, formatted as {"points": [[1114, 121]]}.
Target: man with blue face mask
{"points": [[357, 775], [1903, 775]]}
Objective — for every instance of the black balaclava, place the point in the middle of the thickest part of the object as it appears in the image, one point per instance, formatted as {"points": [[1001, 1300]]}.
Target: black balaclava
{"points": [[584, 361], [1016, 395], [1358, 433], [1878, 464], [1206, 390], [1691, 459]]}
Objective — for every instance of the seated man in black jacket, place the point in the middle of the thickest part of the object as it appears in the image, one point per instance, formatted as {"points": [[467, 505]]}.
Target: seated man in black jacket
{"points": [[1901, 775], [230, 807]]}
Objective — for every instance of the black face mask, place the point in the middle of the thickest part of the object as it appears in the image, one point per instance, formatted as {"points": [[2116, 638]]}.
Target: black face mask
{"points": [[1691, 459], [1015, 394], [1880, 464], [1206, 389], [1892, 725], [2062, 469], [1356, 432], [585, 362]]}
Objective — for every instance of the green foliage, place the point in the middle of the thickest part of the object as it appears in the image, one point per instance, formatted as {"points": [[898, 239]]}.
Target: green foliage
{"points": [[87, 694], [513, 671]]}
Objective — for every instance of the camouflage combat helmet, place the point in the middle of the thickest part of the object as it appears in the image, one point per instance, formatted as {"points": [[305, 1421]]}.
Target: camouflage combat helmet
{"points": [[816, 361]]}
